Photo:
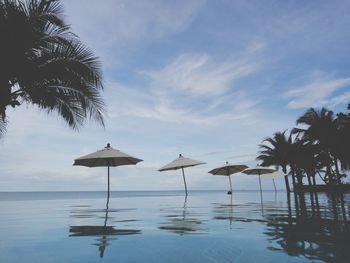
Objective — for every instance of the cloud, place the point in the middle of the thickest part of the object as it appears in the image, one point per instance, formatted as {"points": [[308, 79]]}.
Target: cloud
{"points": [[198, 74], [112, 27], [193, 88], [166, 113], [344, 98], [318, 92]]}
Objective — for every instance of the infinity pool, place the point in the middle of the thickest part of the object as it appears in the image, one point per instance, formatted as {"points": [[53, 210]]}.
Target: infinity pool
{"points": [[209, 226]]}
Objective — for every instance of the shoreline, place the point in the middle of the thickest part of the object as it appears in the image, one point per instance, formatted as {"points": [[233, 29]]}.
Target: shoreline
{"points": [[324, 188]]}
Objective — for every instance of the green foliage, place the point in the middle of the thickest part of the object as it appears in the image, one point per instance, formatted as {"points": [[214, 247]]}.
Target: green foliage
{"points": [[44, 64], [321, 147]]}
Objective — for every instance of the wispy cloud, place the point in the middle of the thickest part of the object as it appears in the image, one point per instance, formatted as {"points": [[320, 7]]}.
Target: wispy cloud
{"points": [[318, 92], [111, 27], [199, 74], [193, 88], [166, 113], [135, 103], [129, 20]]}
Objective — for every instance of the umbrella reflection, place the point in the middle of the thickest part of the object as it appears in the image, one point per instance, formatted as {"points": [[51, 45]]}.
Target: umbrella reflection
{"points": [[105, 232], [181, 221], [245, 212], [224, 211]]}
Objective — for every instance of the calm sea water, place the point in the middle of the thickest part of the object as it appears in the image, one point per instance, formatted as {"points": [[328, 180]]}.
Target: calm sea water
{"points": [[164, 227]]}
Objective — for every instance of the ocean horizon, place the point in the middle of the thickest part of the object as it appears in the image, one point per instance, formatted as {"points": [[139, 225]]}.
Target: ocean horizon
{"points": [[42, 195]]}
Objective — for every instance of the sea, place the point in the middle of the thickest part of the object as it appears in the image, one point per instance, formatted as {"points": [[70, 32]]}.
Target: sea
{"points": [[166, 226]]}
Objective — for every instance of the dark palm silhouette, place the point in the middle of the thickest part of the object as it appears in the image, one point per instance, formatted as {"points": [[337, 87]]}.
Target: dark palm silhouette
{"points": [[321, 147], [343, 138], [278, 151], [44, 64], [310, 232], [322, 131]]}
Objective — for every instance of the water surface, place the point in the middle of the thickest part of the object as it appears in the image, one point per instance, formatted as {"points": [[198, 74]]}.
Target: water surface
{"points": [[165, 227]]}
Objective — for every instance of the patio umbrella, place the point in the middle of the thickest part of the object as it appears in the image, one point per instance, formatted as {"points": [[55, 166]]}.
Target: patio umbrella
{"points": [[106, 157], [273, 176], [228, 169], [258, 170], [181, 163]]}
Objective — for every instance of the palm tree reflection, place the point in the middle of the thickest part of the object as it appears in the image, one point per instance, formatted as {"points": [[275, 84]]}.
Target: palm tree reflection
{"points": [[181, 221], [105, 232], [317, 232]]}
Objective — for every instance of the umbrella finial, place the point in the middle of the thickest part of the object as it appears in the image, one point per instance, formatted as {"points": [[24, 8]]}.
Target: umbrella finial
{"points": [[108, 145]]}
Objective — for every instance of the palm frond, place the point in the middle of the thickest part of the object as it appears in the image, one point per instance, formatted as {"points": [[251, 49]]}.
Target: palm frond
{"points": [[3, 124], [47, 62]]}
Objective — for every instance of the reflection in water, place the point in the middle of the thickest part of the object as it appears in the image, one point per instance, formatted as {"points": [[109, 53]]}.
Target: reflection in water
{"points": [[247, 212], [224, 212], [317, 232], [106, 233], [181, 221], [307, 227]]}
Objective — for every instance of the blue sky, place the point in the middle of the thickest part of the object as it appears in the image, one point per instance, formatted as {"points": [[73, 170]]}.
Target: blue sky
{"points": [[209, 79]]}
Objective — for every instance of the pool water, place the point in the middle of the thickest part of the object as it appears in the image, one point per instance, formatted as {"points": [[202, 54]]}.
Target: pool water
{"points": [[208, 226]]}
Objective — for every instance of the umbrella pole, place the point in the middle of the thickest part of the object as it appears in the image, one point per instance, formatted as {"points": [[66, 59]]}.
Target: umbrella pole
{"points": [[108, 190], [229, 177], [261, 198], [260, 184], [260, 187], [106, 217], [183, 175]]}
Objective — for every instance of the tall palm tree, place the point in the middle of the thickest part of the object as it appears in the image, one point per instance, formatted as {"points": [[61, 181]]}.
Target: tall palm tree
{"points": [[321, 130], [277, 152], [44, 64], [343, 139], [307, 160]]}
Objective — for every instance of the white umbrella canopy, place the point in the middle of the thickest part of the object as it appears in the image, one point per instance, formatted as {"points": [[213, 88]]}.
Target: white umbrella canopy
{"points": [[228, 169], [258, 170], [274, 175], [181, 163], [106, 157]]}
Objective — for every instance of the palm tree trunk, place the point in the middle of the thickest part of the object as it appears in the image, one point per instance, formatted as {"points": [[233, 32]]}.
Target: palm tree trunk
{"points": [[293, 180], [337, 170], [309, 178], [329, 175], [299, 176], [287, 183]]}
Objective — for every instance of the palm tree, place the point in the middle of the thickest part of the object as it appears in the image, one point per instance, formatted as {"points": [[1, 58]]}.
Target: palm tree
{"points": [[343, 139], [322, 131], [277, 153], [44, 64], [307, 160]]}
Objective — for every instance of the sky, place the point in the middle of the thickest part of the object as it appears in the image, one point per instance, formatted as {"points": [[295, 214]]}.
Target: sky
{"points": [[208, 79]]}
